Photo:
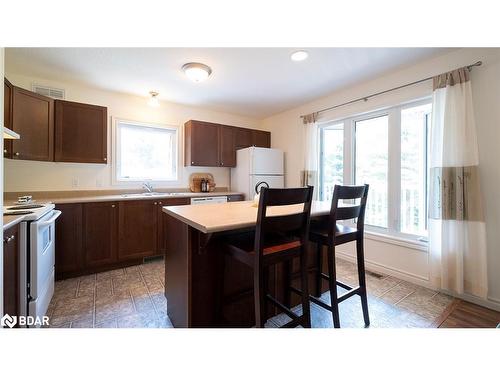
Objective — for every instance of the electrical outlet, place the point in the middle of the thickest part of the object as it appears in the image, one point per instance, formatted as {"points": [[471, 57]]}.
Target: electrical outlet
{"points": [[74, 182]]}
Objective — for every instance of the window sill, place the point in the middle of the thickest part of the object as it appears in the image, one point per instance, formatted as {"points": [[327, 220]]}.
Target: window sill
{"points": [[397, 240]]}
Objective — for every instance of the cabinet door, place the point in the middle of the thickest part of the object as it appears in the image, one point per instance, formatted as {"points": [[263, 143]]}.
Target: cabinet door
{"points": [[100, 233], [7, 116], [80, 132], [33, 119], [261, 138], [243, 138], [11, 271], [202, 144], [162, 222], [138, 223], [227, 151], [69, 250]]}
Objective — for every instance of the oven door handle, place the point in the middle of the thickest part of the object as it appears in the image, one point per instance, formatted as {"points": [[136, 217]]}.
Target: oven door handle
{"points": [[55, 215]]}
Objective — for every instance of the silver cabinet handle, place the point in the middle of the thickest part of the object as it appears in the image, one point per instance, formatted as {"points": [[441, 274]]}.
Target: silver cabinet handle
{"points": [[17, 154], [192, 162], [113, 206], [104, 159], [160, 202], [8, 239], [155, 203], [4, 151]]}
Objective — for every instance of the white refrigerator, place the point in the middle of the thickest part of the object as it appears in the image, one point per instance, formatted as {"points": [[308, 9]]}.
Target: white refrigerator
{"points": [[257, 166]]}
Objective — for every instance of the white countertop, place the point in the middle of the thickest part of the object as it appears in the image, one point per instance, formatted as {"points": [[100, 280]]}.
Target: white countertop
{"points": [[11, 220], [133, 196], [212, 218]]}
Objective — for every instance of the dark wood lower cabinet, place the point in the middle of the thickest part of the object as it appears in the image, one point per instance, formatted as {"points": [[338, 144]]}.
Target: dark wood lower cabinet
{"points": [[138, 227], [11, 271], [100, 236], [69, 247], [162, 239], [99, 233]]}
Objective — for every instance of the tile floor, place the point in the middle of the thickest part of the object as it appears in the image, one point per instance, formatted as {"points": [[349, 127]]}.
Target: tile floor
{"points": [[133, 298], [130, 297]]}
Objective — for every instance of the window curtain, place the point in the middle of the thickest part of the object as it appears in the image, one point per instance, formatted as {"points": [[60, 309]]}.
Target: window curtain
{"points": [[457, 234], [310, 175]]}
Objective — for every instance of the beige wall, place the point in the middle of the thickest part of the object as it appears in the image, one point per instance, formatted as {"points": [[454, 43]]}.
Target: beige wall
{"points": [[287, 129], [40, 176]]}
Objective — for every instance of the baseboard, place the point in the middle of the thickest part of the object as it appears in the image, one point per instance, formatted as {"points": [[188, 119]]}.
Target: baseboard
{"points": [[381, 268], [490, 303]]}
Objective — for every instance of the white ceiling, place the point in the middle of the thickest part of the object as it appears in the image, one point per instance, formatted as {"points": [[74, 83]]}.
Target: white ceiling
{"points": [[255, 82]]}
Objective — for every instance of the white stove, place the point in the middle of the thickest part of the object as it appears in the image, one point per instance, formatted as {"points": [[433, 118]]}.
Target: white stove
{"points": [[37, 258]]}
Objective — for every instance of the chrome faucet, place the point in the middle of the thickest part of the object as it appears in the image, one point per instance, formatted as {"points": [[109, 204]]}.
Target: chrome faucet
{"points": [[147, 186]]}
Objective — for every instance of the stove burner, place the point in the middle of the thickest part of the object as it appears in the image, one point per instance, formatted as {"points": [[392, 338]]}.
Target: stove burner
{"points": [[18, 213], [26, 207]]}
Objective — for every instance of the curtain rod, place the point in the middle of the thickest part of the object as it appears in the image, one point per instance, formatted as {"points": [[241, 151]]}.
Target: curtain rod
{"points": [[365, 98]]}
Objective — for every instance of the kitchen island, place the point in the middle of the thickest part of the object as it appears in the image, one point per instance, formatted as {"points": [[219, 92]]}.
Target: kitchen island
{"points": [[193, 263]]}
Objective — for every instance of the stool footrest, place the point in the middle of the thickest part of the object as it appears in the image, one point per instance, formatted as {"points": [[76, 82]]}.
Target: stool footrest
{"points": [[345, 286], [296, 319], [319, 302], [350, 293], [341, 298]]}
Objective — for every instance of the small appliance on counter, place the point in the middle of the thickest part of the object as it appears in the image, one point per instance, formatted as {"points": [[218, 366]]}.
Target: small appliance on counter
{"points": [[201, 182]]}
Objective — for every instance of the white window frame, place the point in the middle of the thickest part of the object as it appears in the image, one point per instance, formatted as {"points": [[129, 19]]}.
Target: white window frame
{"points": [[394, 163], [116, 152]]}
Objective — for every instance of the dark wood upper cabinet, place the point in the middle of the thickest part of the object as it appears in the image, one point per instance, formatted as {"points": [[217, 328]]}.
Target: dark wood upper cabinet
{"points": [[7, 115], [11, 259], [201, 144], [138, 223], [261, 138], [243, 138], [100, 227], [80, 132], [33, 119], [69, 247], [214, 145], [227, 154]]}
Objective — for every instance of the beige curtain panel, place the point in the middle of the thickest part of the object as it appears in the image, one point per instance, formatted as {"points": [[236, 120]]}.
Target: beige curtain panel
{"points": [[455, 194]]}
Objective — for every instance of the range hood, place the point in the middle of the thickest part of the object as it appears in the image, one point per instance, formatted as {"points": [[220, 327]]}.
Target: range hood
{"points": [[9, 134]]}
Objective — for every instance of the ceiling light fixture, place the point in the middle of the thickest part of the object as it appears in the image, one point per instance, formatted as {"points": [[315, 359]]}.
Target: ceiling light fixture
{"points": [[299, 55], [196, 72], [153, 100]]}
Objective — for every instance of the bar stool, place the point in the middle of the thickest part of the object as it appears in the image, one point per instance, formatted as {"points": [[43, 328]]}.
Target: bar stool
{"points": [[334, 234], [279, 237]]}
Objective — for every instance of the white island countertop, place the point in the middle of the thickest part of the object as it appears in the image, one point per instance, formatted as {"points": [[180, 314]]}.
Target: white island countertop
{"points": [[212, 218]]}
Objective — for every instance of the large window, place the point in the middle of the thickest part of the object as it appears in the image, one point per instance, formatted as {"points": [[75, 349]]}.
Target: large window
{"points": [[371, 166], [332, 159], [145, 152], [415, 122], [389, 151]]}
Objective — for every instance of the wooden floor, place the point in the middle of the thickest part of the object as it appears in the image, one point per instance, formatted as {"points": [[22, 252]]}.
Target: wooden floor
{"points": [[461, 314]]}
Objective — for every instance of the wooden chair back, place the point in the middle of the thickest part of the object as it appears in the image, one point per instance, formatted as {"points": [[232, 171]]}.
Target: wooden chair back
{"points": [[297, 223], [354, 211]]}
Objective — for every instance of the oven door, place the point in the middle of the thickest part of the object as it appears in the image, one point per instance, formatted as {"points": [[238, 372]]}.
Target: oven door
{"points": [[42, 262]]}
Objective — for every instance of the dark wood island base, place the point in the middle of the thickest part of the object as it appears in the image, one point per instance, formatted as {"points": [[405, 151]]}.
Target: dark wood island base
{"points": [[192, 269]]}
